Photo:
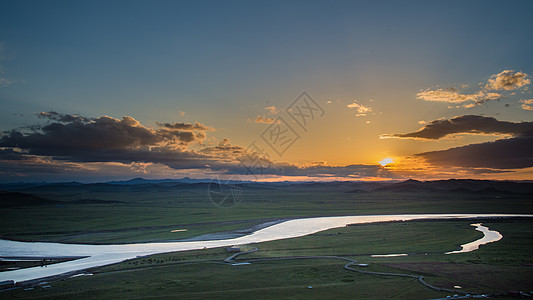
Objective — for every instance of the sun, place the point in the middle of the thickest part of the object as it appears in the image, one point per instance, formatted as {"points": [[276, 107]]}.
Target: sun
{"points": [[386, 161]]}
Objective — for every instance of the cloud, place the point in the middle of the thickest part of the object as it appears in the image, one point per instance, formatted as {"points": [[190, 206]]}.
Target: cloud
{"points": [[467, 124], [361, 109], [272, 109], [64, 118], [185, 126], [507, 153], [527, 104], [510, 153], [452, 95], [5, 82], [263, 120], [507, 80], [106, 139], [354, 171], [73, 144], [316, 170], [14, 164], [139, 167], [416, 166], [223, 149]]}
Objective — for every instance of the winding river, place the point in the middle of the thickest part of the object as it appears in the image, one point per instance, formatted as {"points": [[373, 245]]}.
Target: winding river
{"points": [[100, 255], [489, 236]]}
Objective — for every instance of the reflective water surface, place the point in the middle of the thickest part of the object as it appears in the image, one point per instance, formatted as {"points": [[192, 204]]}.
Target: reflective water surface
{"points": [[489, 236]]}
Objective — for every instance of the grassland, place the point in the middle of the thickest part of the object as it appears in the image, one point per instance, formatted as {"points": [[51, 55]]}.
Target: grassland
{"points": [[140, 213], [119, 214], [495, 268]]}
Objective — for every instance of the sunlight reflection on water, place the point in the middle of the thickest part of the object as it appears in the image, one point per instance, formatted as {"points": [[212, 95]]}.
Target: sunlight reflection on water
{"points": [[489, 236]]}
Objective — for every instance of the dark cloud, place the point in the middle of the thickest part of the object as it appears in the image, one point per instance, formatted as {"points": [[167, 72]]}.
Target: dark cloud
{"points": [[510, 153], [468, 124], [64, 118], [15, 164], [106, 139], [263, 166], [9, 154], [185, 126], [354, 171], [70, 142], [251, 162], [224, 148]]}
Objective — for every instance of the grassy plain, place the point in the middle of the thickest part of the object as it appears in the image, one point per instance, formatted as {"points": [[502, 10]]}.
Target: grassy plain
{"points": [[495, 268], [119, 214], [139, 213]]}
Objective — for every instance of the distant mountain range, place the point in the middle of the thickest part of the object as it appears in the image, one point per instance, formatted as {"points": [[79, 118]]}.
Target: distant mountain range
{"points": [[134, 181], [158, 181], [407, 186], [454, 185]]}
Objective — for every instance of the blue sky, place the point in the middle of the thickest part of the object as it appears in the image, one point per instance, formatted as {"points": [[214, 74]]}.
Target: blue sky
{"points": [[222, 63]]}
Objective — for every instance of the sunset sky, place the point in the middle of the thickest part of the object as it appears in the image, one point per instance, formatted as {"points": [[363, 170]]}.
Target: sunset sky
{"points": [[272, 90]]}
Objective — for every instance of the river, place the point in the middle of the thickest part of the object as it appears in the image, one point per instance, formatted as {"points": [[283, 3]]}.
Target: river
{"points": [[489, 236], [100, 255]]}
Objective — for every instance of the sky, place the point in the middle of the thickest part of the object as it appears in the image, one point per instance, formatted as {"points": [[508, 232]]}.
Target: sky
{"points": [[265, 90]]}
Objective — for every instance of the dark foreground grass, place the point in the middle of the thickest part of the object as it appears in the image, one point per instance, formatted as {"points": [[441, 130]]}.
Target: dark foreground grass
{"points": [[495, 268], [266, 280]]}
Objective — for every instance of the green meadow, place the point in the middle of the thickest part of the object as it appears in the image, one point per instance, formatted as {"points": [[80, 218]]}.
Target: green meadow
{"points": [[122, 214], [142, 213], [494, 268]]}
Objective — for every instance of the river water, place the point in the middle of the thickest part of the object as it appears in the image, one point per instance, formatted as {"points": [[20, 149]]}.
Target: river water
{"points": [[100, 255], [489, 236]]}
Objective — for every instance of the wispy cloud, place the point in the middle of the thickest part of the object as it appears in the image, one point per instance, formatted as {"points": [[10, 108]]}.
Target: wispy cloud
{"points": [[506, 80], [262, 120], [527, 104], [185, 126], [272, 109], [223, 149], [63, 118], [5, 82], [451, 95], [359, 108]]}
